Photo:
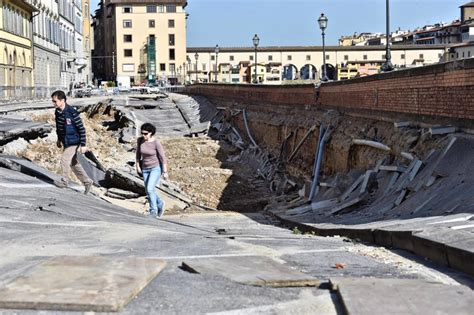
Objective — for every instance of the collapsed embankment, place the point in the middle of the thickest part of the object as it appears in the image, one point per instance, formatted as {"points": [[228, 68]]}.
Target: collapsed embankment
{"points": [[418, 165], [367, 108]]}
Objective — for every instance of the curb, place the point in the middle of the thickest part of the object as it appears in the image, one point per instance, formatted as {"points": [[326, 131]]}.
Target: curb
{"points": [[443, 245]]}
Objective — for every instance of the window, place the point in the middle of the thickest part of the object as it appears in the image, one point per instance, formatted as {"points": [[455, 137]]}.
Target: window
{"points": [[270, 57], [421, 56], [128, 67], [172, 54], [288, 57], [346, 57], [127, 10], [250, 57], [162, 67], [127, 52], [171, 39], [384, 56], [308, 57], [365, 57], [469, 53], [127, 38], [172, 67], [327, 57], [402, 56], [161, 8], [231, 58], [171, 23], [151, 23], [463, 54], [213, 58], [151, 9], [127, 23], [203, 67], [171, 8]]}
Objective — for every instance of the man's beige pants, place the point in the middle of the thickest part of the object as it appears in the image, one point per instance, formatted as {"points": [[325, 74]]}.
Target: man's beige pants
{"points": [[68, 161]]}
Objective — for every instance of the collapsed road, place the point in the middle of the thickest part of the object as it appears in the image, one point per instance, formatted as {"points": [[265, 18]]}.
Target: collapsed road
{"points": [[201, 257]]}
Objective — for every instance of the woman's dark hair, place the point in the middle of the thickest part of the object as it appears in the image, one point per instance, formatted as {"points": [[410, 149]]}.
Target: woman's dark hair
{"points": [[148, 127]]}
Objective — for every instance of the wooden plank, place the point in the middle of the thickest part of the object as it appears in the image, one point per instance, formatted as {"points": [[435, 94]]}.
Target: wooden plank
{"points": [[251, 270], [393, 168], [354, 185]]}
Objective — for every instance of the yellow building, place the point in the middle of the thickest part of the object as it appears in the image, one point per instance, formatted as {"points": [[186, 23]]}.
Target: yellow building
{"points": [[16, 48], [145, 41]]}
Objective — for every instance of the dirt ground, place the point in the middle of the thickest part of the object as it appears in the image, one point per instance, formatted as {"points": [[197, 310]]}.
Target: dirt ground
{"points": [[198, 166]]}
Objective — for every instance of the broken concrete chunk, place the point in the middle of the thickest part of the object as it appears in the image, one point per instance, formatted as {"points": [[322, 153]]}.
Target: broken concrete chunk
{"points": [[121, 193]]}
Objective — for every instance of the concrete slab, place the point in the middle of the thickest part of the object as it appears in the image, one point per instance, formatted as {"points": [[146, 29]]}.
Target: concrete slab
{"points": [[403, 296], [73, 283], [252, 270]]}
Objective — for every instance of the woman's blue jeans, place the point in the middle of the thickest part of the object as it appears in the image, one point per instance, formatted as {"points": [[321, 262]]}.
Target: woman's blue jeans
{"points": [[151, 177]]}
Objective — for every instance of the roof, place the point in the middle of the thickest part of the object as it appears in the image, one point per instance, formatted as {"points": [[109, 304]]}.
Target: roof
{"points": [[291, 49], [183, 3], [470, 4]]}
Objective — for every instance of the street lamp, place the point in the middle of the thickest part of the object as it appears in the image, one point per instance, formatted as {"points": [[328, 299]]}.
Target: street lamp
{"points": [[255, 40], [323, 23], [184, 72], [387, 66], [196, 56], [216, 50], [189, 68]]}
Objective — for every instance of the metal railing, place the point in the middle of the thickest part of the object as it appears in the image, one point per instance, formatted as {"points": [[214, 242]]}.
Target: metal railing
{"points": [[26, 93]]}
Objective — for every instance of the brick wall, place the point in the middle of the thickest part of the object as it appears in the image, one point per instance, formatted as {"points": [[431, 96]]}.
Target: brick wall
{"points": [[440, 91], [259, 94]]}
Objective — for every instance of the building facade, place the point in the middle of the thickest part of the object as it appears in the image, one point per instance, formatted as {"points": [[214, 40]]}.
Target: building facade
{"points": [[46, 47], [16, 48], [87, 40], [280, 65], [140, 41]]}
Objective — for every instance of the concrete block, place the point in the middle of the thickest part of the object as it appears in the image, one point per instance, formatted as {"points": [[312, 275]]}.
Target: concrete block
{"points": [[461, 255], [402, 296], [80, 283]]}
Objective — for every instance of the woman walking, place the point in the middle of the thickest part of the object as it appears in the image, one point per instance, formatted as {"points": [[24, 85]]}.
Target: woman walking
{"points": [[151, 162]]}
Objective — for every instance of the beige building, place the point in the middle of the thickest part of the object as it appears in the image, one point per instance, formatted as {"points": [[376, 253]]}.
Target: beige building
{"points": [[87, 41], [143, 41], [298, 63], [16, 49]]}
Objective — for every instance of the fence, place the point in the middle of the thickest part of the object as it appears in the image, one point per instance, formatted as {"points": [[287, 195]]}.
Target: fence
{"points": [[14, 93]]}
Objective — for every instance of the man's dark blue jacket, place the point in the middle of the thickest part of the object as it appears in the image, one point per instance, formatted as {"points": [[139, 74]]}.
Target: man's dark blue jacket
{"points": [[69, 127]]}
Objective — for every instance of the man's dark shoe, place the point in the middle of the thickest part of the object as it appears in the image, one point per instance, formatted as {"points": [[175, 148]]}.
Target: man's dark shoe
{"points": [[87, 188]]}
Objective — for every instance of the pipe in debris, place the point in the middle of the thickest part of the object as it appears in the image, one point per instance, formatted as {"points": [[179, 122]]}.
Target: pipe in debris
{"points": [[370, 143], [247, 127], [320, 151], [407, 156]]}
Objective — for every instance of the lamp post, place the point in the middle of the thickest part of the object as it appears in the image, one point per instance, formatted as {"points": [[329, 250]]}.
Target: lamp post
{"points": [[216, 50], [189, 68], [255, 40], [387, 66], [196, 56], [323, 23], [184, 72]]}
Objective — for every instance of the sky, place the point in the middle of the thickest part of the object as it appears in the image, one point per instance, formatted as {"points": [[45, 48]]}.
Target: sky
{"points": [[233, 23]]}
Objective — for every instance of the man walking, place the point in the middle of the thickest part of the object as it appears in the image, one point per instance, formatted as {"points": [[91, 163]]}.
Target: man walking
{"points": [[72, 137]]}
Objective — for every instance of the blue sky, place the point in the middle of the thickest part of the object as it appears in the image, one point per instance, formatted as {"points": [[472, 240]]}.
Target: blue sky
{"points": [[232, 23]]}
